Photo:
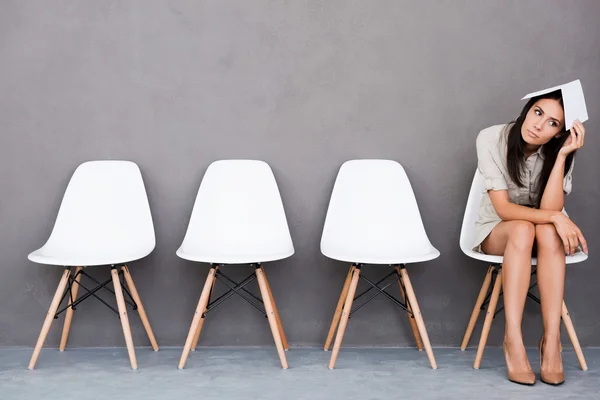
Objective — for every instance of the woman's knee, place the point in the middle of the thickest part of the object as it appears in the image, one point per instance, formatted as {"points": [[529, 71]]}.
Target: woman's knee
{"points": [[522, 234], [546, 237]]}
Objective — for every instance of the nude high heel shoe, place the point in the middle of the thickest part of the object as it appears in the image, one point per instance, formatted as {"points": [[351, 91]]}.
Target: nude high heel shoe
{"points": [[550, 378], [520, 377]]}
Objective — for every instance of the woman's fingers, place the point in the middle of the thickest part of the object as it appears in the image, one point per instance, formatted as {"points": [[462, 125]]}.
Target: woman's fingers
{"points": [[582, 241], [575, 131], [565, 241], [580, 132], [572, 244], [571, 143]]}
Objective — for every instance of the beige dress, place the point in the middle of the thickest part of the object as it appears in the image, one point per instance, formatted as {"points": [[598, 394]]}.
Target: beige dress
{"points": [[491, 157]]}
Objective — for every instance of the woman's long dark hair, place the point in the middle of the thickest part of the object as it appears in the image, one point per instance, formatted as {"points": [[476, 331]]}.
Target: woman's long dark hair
{"points": [[515, 152]]}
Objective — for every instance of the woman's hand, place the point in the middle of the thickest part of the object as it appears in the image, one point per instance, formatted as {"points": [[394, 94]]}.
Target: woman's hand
{"points": [[569, 233], [575, 139]]}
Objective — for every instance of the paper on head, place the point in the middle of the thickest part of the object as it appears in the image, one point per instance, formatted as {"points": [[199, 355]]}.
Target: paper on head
{"points": [[573, 101]]}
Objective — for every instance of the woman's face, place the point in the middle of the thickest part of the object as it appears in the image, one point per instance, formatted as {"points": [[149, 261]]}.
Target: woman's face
{"points": [[544, 120]]}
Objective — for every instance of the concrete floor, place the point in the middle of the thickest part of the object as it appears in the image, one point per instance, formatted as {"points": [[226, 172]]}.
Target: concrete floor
{"points": [[255, 373]]}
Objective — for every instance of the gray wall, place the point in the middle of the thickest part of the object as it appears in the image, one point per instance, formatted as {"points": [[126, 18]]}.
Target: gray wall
{"points": [[305, 86]]}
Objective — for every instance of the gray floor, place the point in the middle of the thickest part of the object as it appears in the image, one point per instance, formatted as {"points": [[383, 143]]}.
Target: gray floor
{"points": [[255, 373]]}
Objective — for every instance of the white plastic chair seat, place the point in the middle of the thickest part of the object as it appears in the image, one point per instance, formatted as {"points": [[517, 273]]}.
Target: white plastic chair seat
{"points": [[104, 218], [467, 233], [41, 256], [242, 258], [238, 216], [373, 217], [497, 260]]}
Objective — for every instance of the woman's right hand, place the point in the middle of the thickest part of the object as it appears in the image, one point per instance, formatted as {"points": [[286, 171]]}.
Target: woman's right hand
{"points": [[575, 139], [569, 233]]}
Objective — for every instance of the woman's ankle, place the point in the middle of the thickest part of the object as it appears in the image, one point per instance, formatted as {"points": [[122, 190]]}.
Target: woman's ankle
{"points": [[513, 338], [551, 337]]}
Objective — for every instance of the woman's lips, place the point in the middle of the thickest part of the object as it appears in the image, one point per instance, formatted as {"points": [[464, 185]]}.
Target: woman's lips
{"points": [[533, 134]]}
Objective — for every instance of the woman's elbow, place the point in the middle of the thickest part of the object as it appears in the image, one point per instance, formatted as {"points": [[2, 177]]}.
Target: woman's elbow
{"points": [[503, 216], [501, 211]]}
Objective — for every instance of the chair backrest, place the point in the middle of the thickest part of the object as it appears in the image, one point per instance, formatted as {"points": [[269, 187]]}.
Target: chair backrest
{"points": [[104, 216], [467, 232], [373, 215], [238, 216]]}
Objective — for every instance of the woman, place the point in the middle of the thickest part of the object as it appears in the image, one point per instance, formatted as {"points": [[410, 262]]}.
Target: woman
{"points": [[527, 166]]}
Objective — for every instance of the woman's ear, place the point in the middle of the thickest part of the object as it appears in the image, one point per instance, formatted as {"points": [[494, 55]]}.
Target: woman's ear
{"points": [[560, 134]]}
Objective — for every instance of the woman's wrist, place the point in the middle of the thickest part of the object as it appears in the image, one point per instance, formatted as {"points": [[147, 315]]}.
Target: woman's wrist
{"points": [[554, 215]]}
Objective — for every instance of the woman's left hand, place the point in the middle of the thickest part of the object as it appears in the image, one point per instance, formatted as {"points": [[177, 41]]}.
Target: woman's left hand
{"points": [[575, 139]]}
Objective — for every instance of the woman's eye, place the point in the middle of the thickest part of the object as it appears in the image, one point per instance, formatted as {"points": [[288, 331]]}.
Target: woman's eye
{"points": [[538, 112], [553, 124]]}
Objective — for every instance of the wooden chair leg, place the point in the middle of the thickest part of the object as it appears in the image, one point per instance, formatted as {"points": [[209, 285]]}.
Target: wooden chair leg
{"points": [[475, 314], [203, 318], [411, 318], [69, 312], [344, 317], [284, 341], [50, 317], [419, 318], [489, 317], [197, 317], [140, 307], [264, 292], [124, 318], [571, 331], [338, 308]]}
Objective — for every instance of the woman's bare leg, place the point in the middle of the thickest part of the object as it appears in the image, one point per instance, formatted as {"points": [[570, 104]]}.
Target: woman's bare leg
{"points": [[551, 282], [513, 240]]}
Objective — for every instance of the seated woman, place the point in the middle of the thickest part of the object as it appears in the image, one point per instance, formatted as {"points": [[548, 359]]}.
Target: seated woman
{"points": [[527, 166]]}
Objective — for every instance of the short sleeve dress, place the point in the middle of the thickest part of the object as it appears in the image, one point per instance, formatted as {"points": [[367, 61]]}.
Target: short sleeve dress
{"points": [[491, 162]]}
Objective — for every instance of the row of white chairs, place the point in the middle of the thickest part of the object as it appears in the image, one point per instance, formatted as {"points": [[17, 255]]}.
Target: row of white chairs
{"points": [[238, 218]]}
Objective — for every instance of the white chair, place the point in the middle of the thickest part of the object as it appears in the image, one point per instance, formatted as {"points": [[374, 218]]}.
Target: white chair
{"points": [[373, 218], [104, 220], [488, 296], [238, 218]]}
